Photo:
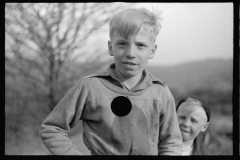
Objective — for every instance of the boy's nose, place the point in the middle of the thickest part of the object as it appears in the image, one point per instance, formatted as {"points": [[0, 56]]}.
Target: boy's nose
{"points": [[186, 123], [131, 52]]}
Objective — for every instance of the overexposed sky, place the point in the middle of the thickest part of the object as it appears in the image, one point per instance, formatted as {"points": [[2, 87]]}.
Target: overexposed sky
{"points": [[193, 31]]}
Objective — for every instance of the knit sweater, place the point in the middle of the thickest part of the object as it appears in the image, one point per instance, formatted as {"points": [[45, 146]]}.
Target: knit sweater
{"points": [[149, 128]]}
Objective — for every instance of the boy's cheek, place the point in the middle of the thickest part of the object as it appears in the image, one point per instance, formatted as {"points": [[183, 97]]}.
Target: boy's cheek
{"points": [[117, 52]]}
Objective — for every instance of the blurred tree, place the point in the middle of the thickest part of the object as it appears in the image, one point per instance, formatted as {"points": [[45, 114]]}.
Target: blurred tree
{"points": [[41, 38], [43, 57]]}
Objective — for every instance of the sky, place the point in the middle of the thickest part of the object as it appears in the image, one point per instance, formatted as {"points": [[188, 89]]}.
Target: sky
{"points": [[192, 31]]}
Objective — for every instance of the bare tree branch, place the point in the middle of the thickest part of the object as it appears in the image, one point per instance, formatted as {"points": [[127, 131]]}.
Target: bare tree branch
{"points": [[46, 35]]}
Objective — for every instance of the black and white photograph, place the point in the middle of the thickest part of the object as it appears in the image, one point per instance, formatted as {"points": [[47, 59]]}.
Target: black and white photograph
{"points": [[119, 78]]}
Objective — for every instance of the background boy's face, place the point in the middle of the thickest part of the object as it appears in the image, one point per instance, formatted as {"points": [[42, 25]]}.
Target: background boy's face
{"points": [[192, 120], [131, 55]]}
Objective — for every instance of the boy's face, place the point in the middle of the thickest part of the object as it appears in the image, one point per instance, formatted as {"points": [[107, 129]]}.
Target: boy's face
{"points": [[192, 120], [131, 55]]}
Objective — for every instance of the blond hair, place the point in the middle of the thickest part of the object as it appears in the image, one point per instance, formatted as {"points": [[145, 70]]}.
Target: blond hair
{"points": [[196, 102], [128, 23]]}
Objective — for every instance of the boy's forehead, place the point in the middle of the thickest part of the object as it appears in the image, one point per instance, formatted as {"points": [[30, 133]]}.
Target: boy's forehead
{"points": [[141, 36], [188, 106]]}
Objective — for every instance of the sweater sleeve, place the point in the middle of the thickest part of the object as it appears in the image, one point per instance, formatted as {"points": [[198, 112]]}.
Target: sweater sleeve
{"points": [[54, 130], [170, 139]]}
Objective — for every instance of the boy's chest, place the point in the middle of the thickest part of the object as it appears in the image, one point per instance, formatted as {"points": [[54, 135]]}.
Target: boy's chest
{"points": [[131, 132], [129, 109]]}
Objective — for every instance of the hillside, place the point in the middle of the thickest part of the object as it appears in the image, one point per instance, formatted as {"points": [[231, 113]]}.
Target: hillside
{"points": [[209, 79], [195, 74]]}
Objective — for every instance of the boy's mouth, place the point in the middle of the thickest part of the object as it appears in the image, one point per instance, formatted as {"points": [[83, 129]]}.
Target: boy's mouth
{"points": [[129, 63], [184, 130]]}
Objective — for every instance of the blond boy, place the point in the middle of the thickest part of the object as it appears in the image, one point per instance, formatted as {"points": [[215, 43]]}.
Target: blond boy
{"points": [[194, 118], [124, 110]]}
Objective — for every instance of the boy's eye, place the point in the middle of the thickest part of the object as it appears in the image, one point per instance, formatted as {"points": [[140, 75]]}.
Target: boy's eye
{"points": [[181, 117], [141, 45], [194, 121], [121, 43]]}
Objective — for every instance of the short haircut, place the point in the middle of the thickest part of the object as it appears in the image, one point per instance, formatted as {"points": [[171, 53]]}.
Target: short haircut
{"points": [[200, 103], [128, 23]]}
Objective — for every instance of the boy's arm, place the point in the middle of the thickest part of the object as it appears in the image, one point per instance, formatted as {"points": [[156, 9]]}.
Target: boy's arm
{"points": [[170, 139], [54, 130]]}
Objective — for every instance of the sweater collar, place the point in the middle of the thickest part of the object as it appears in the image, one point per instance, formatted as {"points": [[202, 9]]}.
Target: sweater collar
{"points": [[110, 80], [147, 77]]}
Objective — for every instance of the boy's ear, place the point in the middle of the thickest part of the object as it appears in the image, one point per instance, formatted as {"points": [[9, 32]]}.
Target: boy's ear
{"points": [[110, 48], [205, 127], [153, 51]]}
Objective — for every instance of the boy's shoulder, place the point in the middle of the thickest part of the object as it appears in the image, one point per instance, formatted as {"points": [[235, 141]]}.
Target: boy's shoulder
{"points": [[156, 80], [92, 77], [100, 74], [162, 85]]}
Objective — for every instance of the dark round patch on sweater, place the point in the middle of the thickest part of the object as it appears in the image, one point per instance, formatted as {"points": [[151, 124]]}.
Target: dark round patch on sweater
{"points": [[121, 106]]}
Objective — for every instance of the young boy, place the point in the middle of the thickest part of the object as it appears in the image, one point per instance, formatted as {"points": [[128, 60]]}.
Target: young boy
{"points": [[124, 110], [194, 118]]}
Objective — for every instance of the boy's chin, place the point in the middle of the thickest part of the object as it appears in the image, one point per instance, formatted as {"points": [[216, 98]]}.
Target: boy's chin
{"points": [[186, 137], [131, 74]]}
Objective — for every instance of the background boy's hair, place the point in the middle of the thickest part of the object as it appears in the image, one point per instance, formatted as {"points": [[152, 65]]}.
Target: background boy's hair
{"points": [[201, 103], [128, 22]]}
